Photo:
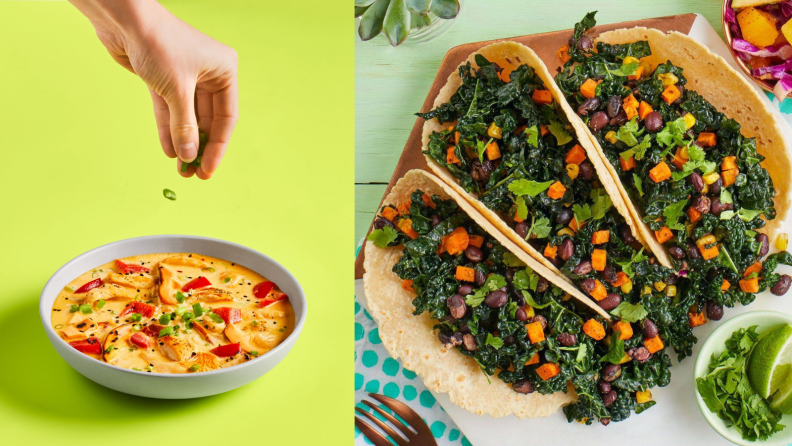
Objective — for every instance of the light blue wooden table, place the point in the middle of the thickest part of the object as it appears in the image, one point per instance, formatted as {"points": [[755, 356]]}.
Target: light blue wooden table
{"points": [[392, 83]]}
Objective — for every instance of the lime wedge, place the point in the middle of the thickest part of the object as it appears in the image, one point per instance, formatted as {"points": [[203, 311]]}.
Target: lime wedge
{"points": [[782, 399], [771, 360]]}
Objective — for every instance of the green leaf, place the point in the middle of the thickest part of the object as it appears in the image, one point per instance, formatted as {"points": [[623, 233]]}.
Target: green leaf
{"points": [[706, 388], [493, 282], [581, 354], [530, 301], [522, 209], [638, 184], [445, 9], [382, 237], [419, 21], [615, 350], [540, 228], [561, 135], [582, 213], [359, 11], [371, 21], [493, 341], [748, 214], [629, 133], [397, 22], [512, 260], [625, 70], [602, 202], [361, 3], [420, 7], [533, 136], [673, 212], [526, 279], [627, 265], [726, 196], [630, 312], [673, 133], [529, 187], [727, 215], [481, 147], [640, 149]]}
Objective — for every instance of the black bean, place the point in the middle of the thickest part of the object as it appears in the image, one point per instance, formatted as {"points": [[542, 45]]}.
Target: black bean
{"points": [[470, 342], [598, 121], [508, 340], [542, 285], [695, 180], [619, 120], [521, 315], [566, 249], [452, 340], [564, 216], [681, 89], [764, 244], [456, 306], [614, 106], [653, 122], [702, 204], [782, 286], [567, 339], [693, 251], [717, 206], [381, 222], [672, 279], [509, 274], [588, 285], [714, 311], [676, 252], [463, 327], [474, 254], [610, 372], [524, 387], [496, 299], [585, 171], [522, 228], [649, 329], [436, 220], [589, 104], [605, 421], [465, 289], [480, 171], [610, 302], [556, 261], [480, 277], [715, 188], [583, 268], [626, 233], [541, 319], [609, 398], [585, 43], [571, 41], [640, 354], [604, 387], [608, 274], [517, 297]]}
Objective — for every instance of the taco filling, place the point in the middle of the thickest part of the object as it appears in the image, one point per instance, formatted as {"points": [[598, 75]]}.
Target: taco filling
{"points": [[696, 180]]}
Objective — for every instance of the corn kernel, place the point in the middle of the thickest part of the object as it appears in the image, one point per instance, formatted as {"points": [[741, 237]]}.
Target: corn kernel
{"points": [[781, 241], [690, 121], [683, 151], [646, 290], [668, 79], [659, 286], [611, 137], [705, 189], [671, 290], [583, 420], [627, 287], [566, 231], [711, 177], [647, 67], [643, 397], [625, 359], [572, 170], [629, 60], [494, 131], [529, 310]]}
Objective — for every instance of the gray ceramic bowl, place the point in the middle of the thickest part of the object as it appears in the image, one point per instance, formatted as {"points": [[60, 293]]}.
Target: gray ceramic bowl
{"points": [[159, 385]]}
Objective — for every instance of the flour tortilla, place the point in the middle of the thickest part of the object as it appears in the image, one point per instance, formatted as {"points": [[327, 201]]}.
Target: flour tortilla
{"points": [[730, 93], [509, 56], [413, 340]]}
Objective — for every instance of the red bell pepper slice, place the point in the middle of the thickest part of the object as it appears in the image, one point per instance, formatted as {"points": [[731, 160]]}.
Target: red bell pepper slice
{"points": [[262, 289], [89, 286], [227, 350], [124, 268], [275, 297], [90, 346], [200, 282], [229, 315], [144, 309], [152, 330], [141, 340]]}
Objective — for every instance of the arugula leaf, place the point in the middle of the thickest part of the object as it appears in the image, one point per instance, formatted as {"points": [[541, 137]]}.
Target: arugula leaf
{"points": [[493, 282], [582, 213], [615, 350], [672, 213], [627, 265], [493, 341], [630, 312], [383, 237], [561, 135], [529, 187], [625, 70], [533, 136], [638, 184]]}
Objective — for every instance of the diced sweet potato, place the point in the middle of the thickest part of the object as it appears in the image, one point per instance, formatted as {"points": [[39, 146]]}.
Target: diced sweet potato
{"points": [[534, 359], [755, 268], [671, 94], [725, 286], [589, 88], [630, 111], [405, 224], [697, 319], [644, 109], [404, 208], [599, 259], [630, 101], [457, 241], [407, 284], [707, 139], [621, 279], [542, 97], [599, 292], [465, 274], [556, 191], [574, 224], [451, 157], [389, 213], [563, 54], [758, 27], [600, 237], [548, 370], [550, 251], [663, 235], [624, 328], [575, 155], [693, 215], [594, 329], [517, 218], [544, 129], [627, 164], [637, 75], [679, 159], [476, 240], [493, 151], [729, 163], [660, 172], [729, 177], [708, 247], [654, 344], [428, 201], [535, 332], [750, 285], [457, 135]]}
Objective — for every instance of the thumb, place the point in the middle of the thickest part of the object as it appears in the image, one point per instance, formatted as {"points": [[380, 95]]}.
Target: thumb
{"points": [[183, 125]]}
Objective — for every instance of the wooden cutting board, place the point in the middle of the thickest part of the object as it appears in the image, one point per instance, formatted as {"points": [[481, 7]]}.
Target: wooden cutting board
{"points": [[545, 45]]}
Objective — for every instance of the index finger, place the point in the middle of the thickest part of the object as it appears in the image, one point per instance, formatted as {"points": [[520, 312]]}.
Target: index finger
{"points": [[225, 114]]}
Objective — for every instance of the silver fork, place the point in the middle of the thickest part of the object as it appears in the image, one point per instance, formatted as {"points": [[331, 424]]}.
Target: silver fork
{"points": [[419, 435]]}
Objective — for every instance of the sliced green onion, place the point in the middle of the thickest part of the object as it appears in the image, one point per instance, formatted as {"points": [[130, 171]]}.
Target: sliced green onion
{"points": [[74, 308], [109, 349], [136, 327], [135, 317], [150, 367], [169, 194], [194, 368], [254, 353], [216, 318], [59, 326], [255, 323], [136, 369], [85, 309], [165, 319], [180, 297], [188, 325], [198, 310], [69, 289], [181, 310], [226, 280], [209, 269], [187, 316], [167, 331], [100, 304]]}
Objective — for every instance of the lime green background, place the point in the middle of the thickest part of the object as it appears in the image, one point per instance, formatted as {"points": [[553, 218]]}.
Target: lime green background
{"points": [[81, 166]]}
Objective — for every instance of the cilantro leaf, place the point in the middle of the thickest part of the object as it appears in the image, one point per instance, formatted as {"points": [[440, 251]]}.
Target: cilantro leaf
{"points": [[493, 282], [602, 202], [582, 213], [533, 136], [615, 351], [673, 212], [629, 133], [627, 265], [625, 70], [481, 147], [726, 196], [539, 227], [522, 209], [561, 135], [529, 187], [638, 184], [673, 133], [630, 312], [512, 261], [526, 279], [493, 341], [383, 237], [640, 149]]}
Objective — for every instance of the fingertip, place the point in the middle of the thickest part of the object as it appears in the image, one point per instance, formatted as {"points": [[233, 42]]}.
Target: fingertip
{"points": [[202, 174], [187, 173]]}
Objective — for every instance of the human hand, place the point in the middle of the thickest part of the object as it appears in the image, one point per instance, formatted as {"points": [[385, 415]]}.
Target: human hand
{"points": [[192, 78]]}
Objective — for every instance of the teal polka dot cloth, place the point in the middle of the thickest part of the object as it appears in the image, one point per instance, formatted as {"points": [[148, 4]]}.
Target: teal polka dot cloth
{"points": [[377, 372]]}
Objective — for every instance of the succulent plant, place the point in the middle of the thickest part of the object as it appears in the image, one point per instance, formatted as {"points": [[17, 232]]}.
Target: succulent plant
{"points": [[398, 17]]}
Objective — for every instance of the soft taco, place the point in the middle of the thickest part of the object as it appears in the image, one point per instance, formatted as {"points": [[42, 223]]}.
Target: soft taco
{"points": [[458, 302], [500, 135], [709, 190]]}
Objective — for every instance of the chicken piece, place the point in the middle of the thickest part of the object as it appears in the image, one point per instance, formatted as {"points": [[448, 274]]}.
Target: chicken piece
{"points": [[135, 281], [175, 348], [209, 324], [77, 318], [229, 279], [118, 339], [211, 295], [235, 335], [168, 286], [204, 333], [162, 366], [204, 361], [265, 340], [70, 333], [185, 262], [110, 291], [271, 312]]}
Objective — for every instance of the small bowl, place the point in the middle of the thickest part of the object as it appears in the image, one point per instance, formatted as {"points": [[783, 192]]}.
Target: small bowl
{"points": [[727, 35], [716, 343], [173, 386]]}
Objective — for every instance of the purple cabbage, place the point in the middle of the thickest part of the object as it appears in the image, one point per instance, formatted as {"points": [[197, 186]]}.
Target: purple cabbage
{"points": [[744, 47], [786, 8], [783, 86], [730, 15], [773, 69]]}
